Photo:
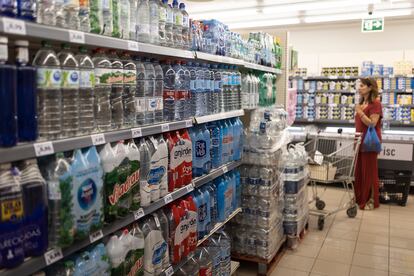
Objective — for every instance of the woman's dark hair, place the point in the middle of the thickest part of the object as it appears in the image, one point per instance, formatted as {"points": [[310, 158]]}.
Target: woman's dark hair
{"points": [[373, 93]]}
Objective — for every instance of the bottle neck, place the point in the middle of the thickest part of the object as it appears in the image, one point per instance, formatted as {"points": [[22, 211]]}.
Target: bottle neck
{"points": [[22, 55]]}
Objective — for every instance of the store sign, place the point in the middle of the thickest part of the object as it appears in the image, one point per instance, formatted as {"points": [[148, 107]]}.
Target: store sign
{"points": [[401, 152], [370, 25]]}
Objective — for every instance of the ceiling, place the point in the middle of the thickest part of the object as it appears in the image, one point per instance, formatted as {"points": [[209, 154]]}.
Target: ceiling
{"points": [[264, 14]]}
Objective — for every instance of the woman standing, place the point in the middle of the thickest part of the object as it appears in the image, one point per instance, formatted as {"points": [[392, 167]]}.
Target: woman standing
{"points": [[368, 112]]}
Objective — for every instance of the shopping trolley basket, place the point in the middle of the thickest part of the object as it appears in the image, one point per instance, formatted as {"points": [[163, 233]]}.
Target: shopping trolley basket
{"points": [[332, 158]]}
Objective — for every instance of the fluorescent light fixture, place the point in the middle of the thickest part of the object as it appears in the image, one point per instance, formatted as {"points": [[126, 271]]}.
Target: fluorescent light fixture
{"points": [[265, 23], [354, 16]]}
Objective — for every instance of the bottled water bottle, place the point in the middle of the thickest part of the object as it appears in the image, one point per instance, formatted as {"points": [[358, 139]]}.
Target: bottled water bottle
{"points": [[226, 77], [140, 99], [71, 11], [84, 22], [154, 19], [192, 88], [46, 12], [125, 18], [200, 103], [177, 26], [218, 87], [143, 22], [132, 19], [149, 89], [117, 83], [107, 17], [116, 21], [130, 89], [207, 89], [96, 16], [70, 92], [59, 14], [86, 92], [238, 89], [186, 91], [159, 92], [169, 40], [103, 73], [186, 27], [179, 91], [169, 92], [162, 10]]}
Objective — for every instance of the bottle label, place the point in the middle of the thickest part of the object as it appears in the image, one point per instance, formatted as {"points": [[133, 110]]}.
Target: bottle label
{"points": [[22, 54], [53, 191], [117, 76], [163, 14], [49, 78], [87, 79], [103, 76], [151, 105], [178, 19], [186, 22], [140, 105], [11, 209], [70, 79], [130, 76], [170, 17]]}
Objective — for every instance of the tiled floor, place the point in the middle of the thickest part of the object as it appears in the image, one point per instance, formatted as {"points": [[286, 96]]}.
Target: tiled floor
{"points": [[375, 243]]}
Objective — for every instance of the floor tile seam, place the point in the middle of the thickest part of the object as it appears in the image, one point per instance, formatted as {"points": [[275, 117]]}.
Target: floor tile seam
{"points": [[356, 242]]}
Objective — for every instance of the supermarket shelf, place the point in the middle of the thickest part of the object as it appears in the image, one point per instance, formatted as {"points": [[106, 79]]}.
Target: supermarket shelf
{"points": [[399, 105], [324, 121], [262, 68], [31, 150], [33, 265], [325, 91], [347, 77], [218, 59], [406, 91], [234, 266], [218, 226], [219, 116]]}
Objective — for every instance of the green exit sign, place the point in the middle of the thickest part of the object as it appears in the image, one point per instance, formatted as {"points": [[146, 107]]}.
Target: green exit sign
{"points": [[372, 25]]}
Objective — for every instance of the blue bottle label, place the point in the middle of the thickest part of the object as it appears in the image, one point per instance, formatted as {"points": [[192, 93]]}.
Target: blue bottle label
{"points": [[70, 79], [200, 148], [49, 78]]}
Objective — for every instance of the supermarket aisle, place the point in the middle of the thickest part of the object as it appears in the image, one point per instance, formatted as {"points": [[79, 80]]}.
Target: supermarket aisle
{"points": [[375, 243]]}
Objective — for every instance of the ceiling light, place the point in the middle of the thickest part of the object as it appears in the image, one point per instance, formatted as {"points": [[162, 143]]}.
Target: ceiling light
{"points": [[265, 23]]}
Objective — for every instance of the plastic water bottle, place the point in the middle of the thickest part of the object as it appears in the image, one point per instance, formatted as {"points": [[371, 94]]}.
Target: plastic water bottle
{"points": [[186, 91], [116, 15], [186, 27], [49, 78], [132, 19], [226, 88], [218, 88], [199, 91], [169, 40], [225, 245], [159, 92], [154, 21], [117, 91], [192, 88], [84, 12], [95, 16], [204, 260], [216, 146], [86, 92], [71, 11], [207, 89], [107, 18], [26, 93], [177, 26], [130, 90], [151, 103], [45, 12], [162, 19], [8, 107], [169, 92], [179, 91], [140, 99], [26, 10], [125, 18], [238, 89], [8, 8], [143, 22], [103, 71]]}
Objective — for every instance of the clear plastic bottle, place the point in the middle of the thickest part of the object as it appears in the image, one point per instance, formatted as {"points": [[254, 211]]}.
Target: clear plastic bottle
{"points": [[162, 11], [186, 91], [186, 27], [125, 18], [180, 99], [192, 88], [49, 94], [116, 15], [117, 92], [132, 19], [107, 17], [203, 259], [140, 98], [225, 103], [159, 92], [154, 19], [95, 16], [130, 89], [143, 22], [169, 40], [200, 104], [207, 94], [169, 97], [151, 102], [71, 11], [86, 92], [218, 89], [177, 26], [190, 268], [103, 72], [84, 13]]}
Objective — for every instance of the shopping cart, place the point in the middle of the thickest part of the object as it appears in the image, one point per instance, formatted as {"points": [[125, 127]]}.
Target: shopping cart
{"points": [[332, 158]]}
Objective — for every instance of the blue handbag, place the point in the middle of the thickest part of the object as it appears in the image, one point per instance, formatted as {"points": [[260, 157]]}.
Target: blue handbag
{"points": [[371, 141]]}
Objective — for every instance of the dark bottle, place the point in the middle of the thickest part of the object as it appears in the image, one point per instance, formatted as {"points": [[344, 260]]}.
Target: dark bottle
{"points": [[8, 8], [26, 9], [26, 94], [8, 108]]}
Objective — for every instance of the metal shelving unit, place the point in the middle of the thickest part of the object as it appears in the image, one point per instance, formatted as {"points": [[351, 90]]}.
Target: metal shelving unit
{"points": [[347, 77], [32, 265], [219, 116]]}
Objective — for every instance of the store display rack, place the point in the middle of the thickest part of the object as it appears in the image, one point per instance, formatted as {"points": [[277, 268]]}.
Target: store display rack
{"points": [[16, 27], [33, 265], [347, 77]]}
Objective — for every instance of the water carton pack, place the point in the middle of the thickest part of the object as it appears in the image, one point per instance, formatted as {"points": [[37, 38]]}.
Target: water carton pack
{"points": [[200, 137], [158, 176]]}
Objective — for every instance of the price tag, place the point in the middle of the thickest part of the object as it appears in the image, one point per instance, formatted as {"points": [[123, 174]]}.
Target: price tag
{"points": [[96, 236], [408, 90], [333, 77], [165, 127], [133, 46], [188, 123], [406, 122], [139, 214], [98, 139], [351, 121], [168, 198], [136, 132], [169, 271], [190, 187], [347, 77], [225, 169], [52, 256], [45, 148], [13, 26], [76, 37]]}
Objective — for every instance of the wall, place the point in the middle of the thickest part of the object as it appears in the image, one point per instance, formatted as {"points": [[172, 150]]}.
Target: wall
{"points": [[345, 45]]}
